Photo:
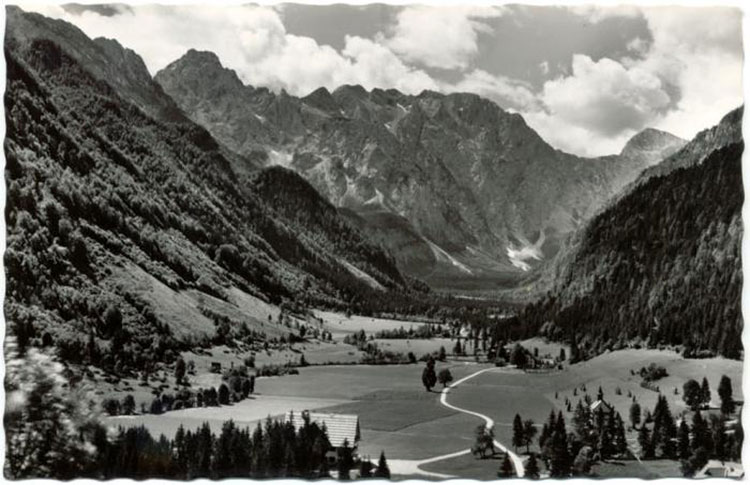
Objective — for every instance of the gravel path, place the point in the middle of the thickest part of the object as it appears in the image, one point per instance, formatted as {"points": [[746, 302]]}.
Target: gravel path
{"points": [[412, 467]]}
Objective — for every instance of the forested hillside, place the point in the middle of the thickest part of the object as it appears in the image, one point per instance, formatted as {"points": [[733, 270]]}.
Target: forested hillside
{"points": [[661, 266], [128, 237]]}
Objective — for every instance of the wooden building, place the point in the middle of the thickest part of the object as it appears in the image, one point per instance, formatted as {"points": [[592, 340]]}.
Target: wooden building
{"points": [[339, 427]]}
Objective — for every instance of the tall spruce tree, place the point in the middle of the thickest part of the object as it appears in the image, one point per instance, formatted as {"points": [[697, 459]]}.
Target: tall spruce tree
{"points": [[429, 378], [683, 440], [644, 441], [532, 467], [560, 461], [705, 393], [506, 468], [382, 471], [635, 414], [725, 394], [518, 438], [529, 432]]}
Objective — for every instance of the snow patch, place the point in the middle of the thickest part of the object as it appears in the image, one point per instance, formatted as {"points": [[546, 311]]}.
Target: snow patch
{"points": [[518, 257], [283, 159], [377, 199]]}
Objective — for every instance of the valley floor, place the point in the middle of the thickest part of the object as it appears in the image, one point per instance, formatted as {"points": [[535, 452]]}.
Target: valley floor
{"points": [[411, 425]]}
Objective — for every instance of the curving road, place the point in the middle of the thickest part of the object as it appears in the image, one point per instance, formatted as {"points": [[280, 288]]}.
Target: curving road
{"points": [[412, 467]]}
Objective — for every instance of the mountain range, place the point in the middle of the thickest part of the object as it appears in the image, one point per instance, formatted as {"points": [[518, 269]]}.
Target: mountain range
{"points": [[461, 192], [190, 199]]}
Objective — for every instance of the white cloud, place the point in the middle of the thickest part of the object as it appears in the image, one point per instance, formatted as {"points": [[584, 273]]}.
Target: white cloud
{"points": [[696, 53], [699, 51], [507, 93], [574, 138], [599, 13], [374, 65], [444, 37], [683, 80], [251, 40], [604, 97]]}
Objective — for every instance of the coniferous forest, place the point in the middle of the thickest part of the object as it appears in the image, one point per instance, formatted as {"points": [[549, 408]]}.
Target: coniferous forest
{"points": [[661, 267]]}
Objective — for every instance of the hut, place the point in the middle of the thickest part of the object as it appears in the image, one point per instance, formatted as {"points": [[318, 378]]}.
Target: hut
{"points": [[339, 427]]}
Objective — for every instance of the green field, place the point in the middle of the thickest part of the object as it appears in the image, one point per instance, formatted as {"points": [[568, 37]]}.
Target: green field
{"points": [[398, 416]]}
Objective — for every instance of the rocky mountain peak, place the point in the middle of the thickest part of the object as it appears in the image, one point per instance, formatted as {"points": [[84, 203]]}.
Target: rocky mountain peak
{"points": [[651, 140], [203, 69], [322, 99]]}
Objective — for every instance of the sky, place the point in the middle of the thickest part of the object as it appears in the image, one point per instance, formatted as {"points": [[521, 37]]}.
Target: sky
{"points": [[586, 78]]}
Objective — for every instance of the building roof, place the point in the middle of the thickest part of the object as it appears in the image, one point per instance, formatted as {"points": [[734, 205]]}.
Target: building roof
{"points": [[718, 469], [339, 427], [600, 404]]}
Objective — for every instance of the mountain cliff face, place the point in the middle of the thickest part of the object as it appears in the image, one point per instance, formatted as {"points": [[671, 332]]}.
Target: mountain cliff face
{"points": [[661, 264], [454, 186], [112, 210]]}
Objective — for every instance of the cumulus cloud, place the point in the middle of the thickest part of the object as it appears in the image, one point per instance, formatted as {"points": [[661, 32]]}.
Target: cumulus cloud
{"points": [[696, 54], [682, 80], [253, 41], [605, 97], [699, 51], [444, 38], [507, 93], [574, 138], [374, 65], [598, 13]]}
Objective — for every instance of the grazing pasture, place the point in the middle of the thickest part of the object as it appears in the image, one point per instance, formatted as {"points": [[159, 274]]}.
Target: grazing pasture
{"points": [[398, 416], [418, 346], [340, 325]]}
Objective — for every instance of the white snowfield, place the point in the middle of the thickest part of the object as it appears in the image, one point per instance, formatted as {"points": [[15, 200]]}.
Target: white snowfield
{"points": [[412, 467]]}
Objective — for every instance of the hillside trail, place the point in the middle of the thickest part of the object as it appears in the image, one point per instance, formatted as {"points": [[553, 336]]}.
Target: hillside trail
{"points": [[412, 467]]}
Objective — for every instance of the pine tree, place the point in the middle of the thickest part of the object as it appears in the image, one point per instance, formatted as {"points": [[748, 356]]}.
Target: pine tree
{"points": [[705, 393], [517, 432], [532, 467], [428, 375], [683, 438], [344, 464], [223, 394], [179, 370], [529, 432], [725, 394], [382, 471], [506, 469], [719, 438], [644, 441], [560, 461], [635, 414], [620, 442], [547, 431]]}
